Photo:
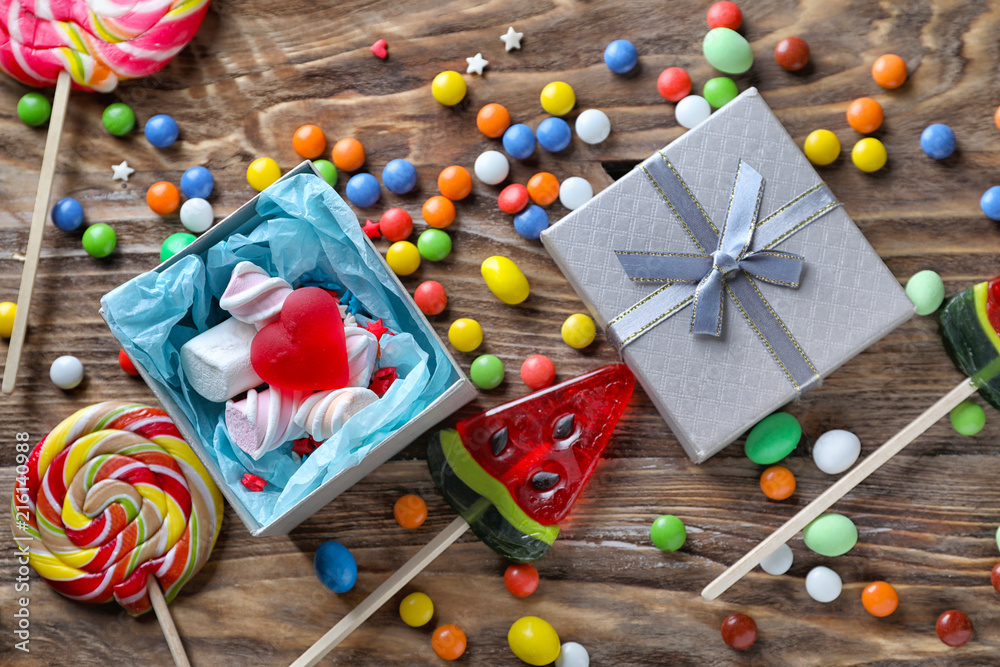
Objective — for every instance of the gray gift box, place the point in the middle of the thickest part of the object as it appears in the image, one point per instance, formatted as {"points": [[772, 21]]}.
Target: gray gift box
{"points": [[711, 389]]}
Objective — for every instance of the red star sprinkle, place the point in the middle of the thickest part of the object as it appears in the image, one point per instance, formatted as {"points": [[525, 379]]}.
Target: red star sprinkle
{"points": [[371, 229], [378, 329], [380, 49], [305, 446], [384, 377], [253, 482]]}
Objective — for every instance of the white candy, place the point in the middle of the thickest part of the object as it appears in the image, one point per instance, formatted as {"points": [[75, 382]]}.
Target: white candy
{"points": [[263, 421], [823, 584], [492, 167], [324, 413], [197, 215], [779, 561], [692, 110], [216, 363], [836, 451], [593, 126], [66, 372], [572, 654], [574, 192], [362, 349]]}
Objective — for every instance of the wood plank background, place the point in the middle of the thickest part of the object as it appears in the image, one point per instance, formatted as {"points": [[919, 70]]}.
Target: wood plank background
{"points": [[257, 70]]}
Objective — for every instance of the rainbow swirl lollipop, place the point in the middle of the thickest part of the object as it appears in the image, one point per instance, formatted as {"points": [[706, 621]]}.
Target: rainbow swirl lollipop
{"points": [[112, 495]]}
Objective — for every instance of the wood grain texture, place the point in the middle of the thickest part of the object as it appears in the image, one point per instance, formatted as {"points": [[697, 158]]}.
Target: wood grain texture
{"points": [[258, 70]]}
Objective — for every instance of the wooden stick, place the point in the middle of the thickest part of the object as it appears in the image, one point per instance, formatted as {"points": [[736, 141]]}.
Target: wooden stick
{"points": [[45, 176], [874, 461], [166, 622], [381, 595]]}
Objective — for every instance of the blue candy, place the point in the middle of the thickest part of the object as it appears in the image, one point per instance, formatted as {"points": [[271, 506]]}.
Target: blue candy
{"points": [[938, 141], [990, 203], [620, 56], [399, 176], [335, 567], [161, 130], [67, 214], [531, 222], [554, 134], [363, 190], [519, 141], [197, 183]]}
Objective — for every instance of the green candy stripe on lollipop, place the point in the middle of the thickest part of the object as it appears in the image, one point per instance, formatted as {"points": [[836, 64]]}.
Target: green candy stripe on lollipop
{"points": [[970, 336]]}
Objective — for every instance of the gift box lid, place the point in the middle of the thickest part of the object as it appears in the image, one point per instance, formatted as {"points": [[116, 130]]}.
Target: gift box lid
{"points": [[711, 389]]}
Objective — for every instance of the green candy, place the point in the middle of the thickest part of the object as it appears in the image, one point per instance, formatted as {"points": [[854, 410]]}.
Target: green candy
{"points": [[99, 240], [968, 418], [720, 91], [926, 291], [327, 171], [34, 109], [998, 538], [773, 438], [668, 533], [434, 245], [486, 371], [830, 535], [727, 51], [174, 243], [118, 119]]}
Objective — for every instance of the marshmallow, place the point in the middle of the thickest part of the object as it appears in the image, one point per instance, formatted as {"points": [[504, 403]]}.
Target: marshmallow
{"points": [[253, 296], [362, 349], [263, 420], [322, 414], [216, 363]]}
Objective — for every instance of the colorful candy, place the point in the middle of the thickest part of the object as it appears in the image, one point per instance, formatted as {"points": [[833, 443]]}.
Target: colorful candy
{"points": [[438, 211], [864, 115], [363, 190], [822, 147], [34, 109], [674, 84], [448, 88], [160, 518], [197, 182], [396, 225], [454, 182], [954, 628], [348, 154], [543, 188], [777, 483], [593, 126], [869, 155], [513, 198], [968, 418], [410, 511], [197, 215], [727, 51], [880, 599], [505, 279], [262, 172], [778, 561], [465, 334], [174, 243], [163, 197], [430, 297], [434, 245], [99, 240], [521, 579], [8, 309], [574, 192], [835, 451], [126, 364], [668, 533], [538, 371], [67, 214], [118, 119], [554, 134], [533, 640], [823, 584], [995, 577], [938, 141], [578, 331], [416, 609], [724, 14], [491, 167], [161, 130], [830, 534], [621, 56], [66, 372], [990, 203], [493, 120], [335, 567], [889, 71], [403, 258], [926, 291], [448, 642], [692, 110], [773, 438], [720, 91], [519, 141], [487, 371], [739, 631], [572, 654], [399, 176], [327, 170], [531, 222], [380, 49], [558, 98], [309, 141], [792, 53]]}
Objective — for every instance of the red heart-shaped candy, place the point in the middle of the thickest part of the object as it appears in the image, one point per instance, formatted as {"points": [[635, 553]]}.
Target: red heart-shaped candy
{"points": [[380, 49], [305, 349]]}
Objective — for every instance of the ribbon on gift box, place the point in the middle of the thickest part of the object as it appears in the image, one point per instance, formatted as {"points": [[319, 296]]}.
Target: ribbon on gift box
{"points": [[730, 261]]}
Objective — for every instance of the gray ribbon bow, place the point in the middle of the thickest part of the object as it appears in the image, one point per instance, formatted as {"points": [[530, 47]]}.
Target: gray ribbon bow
{"points": [[730, 260]]}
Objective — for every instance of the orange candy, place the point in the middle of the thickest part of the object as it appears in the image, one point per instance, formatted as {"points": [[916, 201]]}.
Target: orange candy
{"points": [[309, 142], [348, 154], [493, 120], [439, 212], [449, 642], [880, 598], [163, 197], [543, 188], [454, 182], [996, 117], [777, 483], [889, 71], [865, 115], [410, 511]]}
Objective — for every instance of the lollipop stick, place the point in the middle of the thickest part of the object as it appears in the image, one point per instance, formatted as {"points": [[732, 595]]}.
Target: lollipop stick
{"points": [[381, 595], [166, 622], [874, 461], [49, 159]]}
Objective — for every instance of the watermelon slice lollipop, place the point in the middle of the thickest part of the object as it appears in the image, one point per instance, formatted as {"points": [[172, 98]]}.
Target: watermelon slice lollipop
{"points": [[511, 473]]}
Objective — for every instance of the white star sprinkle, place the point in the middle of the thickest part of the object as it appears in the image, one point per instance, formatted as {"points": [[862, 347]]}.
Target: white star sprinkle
{"points": [[512, 40], [122, 171], [476, 64]]}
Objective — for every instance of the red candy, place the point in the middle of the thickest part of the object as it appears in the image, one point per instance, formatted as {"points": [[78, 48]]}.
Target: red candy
{"points": [[396, 225], [305, 349], [380, 49], [739, 631], [126, 363], [253, 482], [724, 15], [371, 230], [430, 297], [378, 329], [384, 377], [995, 577], [538, 371], [521, 580], [545, 446], [792, 53], [305, 446], [674, 84], [954, 628], [513, 198]]}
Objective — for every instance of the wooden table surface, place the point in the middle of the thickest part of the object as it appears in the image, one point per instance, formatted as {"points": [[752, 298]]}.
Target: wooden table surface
{"points": [[257, 70]]}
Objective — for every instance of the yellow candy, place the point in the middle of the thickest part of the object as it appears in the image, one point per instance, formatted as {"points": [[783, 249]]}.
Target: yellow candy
{"points": [[448, 88], [534, 640], [558, 98], [403, 258], [7, 310], [465, 335], [869, 155], [822, 147], [579, 330], [262, 172], [416, 609], [505, 279]]}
